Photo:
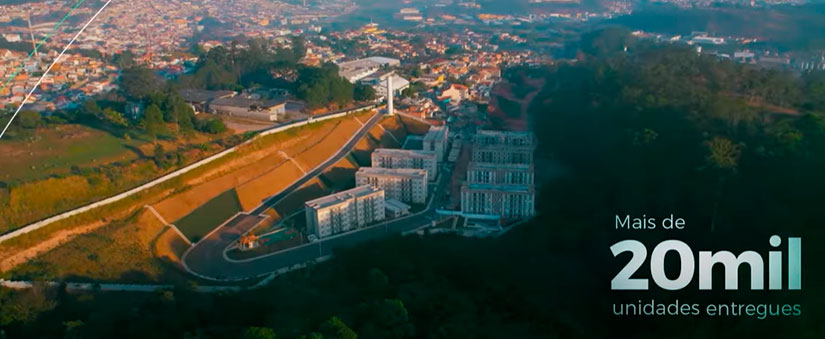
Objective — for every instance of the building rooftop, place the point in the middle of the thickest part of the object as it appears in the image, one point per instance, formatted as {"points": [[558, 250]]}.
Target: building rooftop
{"points": [[394, 172], [508, 167], [247, 103], [397, 205], [337, 198], [500, 188], [403, 152], [436, 133], [198, 95]]}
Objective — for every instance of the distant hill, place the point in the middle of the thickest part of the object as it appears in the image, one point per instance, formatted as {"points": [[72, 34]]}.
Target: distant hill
{"points": [[518, 7], [788, 27]]}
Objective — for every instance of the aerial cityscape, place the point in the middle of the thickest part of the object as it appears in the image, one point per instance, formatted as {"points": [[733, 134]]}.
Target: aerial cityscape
{"points": [[405, 168]]}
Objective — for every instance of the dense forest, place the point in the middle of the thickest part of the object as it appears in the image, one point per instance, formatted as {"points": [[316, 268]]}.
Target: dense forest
{"points": [[736, 151]]}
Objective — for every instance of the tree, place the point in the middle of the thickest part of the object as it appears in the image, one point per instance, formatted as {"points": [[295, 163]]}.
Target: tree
{"points": [[386, 318], [24, 306], [212, 125], [605, 42], [124, 60], [153, 121], [341, 91], [138, 83], [258, 333], [723, 153], [364, 93], [115, 118], [335, 328], [30, 119]]}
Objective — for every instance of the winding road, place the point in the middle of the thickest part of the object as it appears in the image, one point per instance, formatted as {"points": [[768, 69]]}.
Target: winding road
{"points": [[206, 258]]}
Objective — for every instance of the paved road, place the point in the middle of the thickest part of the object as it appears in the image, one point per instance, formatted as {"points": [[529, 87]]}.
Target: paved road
{"points": [[206, 258]]}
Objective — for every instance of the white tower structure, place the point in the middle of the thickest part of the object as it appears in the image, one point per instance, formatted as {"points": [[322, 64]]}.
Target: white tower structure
{"points": [[390, 96]]}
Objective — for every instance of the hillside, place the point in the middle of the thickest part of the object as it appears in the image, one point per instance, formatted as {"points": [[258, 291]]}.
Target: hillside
{"points": [[787, 27]]}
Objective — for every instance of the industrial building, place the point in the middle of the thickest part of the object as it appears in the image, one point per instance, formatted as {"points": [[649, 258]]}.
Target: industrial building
{"points": [[264, 110], [356, 70]]}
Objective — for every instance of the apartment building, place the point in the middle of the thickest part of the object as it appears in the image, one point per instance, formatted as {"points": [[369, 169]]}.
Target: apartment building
{"points": [[506, 201], [504, 147], [402, 184], [500, 177], [503, 154], [400, 158], [500, 174], [345, 211], [508, 138], [436, 140]]}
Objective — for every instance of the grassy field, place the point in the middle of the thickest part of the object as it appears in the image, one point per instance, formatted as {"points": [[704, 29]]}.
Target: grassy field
{"points": [[413, 126], [31, 201], [56, 149], [205, 218], [169, 247], [340, 176], [185, 202], [328, 145], [254, 192], [119, 251], [71, 166], [295, 201]]}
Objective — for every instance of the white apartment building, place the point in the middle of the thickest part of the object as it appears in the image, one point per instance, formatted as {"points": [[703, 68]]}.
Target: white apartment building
{"points": [[503, 154], [400, 158], [504, 147], [436, 140], [402, 184], [509, 138], [505, 201], [500, 178], [500, 174], [345, 211]]}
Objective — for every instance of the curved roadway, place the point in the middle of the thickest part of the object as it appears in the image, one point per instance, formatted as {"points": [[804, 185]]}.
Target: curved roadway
{"points": [[206, 258]]}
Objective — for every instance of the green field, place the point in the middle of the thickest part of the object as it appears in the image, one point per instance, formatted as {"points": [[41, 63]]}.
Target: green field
{"points": [[55, 150], [210, 215]]}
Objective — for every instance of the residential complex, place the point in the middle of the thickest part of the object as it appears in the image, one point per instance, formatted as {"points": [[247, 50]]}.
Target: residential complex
{"points": [[403, 184], [345, 211], [400, 158]]}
